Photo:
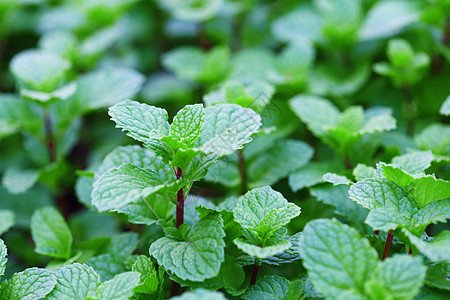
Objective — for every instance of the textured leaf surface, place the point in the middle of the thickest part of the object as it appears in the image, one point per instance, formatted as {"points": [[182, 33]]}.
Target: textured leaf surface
{"points": [[7, 219], [285, 157], [309, 175], [50, 233], [431, 138], [269, 287], [39, 70], [401, 276], [227, 127], [437, 249], [336, 257], [335, 179], [31, 284], [141, 121], [445, 108], [107, 265], [198, 256], [3, 259], [120, 287], [200, 294], [75, 282], [128, 183], [187, 124], [317, 113], [262, 252], [264, 211], [414, 162], [19, 181]]}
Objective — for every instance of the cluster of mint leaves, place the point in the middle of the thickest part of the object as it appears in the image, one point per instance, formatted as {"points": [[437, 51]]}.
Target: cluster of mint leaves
{"points": [[337, 109]]}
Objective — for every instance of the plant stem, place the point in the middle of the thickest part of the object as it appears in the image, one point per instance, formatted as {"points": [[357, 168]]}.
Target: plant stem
{"points": [[347, 162], [409, 110], [387, 247], [180, 202], [255, 271], [49, 136], [243, 172], [407, 249]]}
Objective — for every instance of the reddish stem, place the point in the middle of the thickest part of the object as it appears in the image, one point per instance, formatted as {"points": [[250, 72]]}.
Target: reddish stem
{"points": [[243, 172], [387, 247], [255, 271], [49, 137], [180, 201]]}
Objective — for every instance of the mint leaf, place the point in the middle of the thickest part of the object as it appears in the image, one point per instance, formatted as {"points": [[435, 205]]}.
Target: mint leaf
{"points": [[438, 211], [338, 260], [149, 278], [227, 127], [436, 250], [198, 255], [134, 155], [75, 281], [401, 276], [19, 181], [200, 294], [264, 211], [336, 179], [107, 265], [123, 244], [7, 220], [362, 171], [39, 70], [414, 162], [187, 124], [50, 233], [120, 287], [317, 113], [3, 259], [262, 252], [268, 287], [31, 284], [431, 139], [445, 108], [143, 122], [425, 189], [285, 157], [103, 88], [309, 175], [128, 183], [18, 114]]}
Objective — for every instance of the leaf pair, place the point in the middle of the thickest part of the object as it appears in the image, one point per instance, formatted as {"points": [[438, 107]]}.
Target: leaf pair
{"points": [[342, 265]]}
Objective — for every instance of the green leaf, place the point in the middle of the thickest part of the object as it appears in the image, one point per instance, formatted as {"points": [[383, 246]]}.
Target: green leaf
{"points": [[227, 127], [414, 162], [268, 287], [19, 181], [437, 277], [75, 281], [336, 179], [351, 119], [120, 287], [387, 18], [7, 220], [143, 122], [445, 108], [31, 284], [128, 183], [50, 233], [435, 138], [3, 259], [39, 70], [200, 294], [424, 189], [103, 88], [123, 244], [317, 113], [285, 157], [310, 175], [438, 211], [148, 211], [262, 252], [196, 257], [337, 196], [436, 250], [338, 260], [107, 265], [149, 278], [134, 155], [264, 211], [187, 124], [401, 276], [362, 171]]}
